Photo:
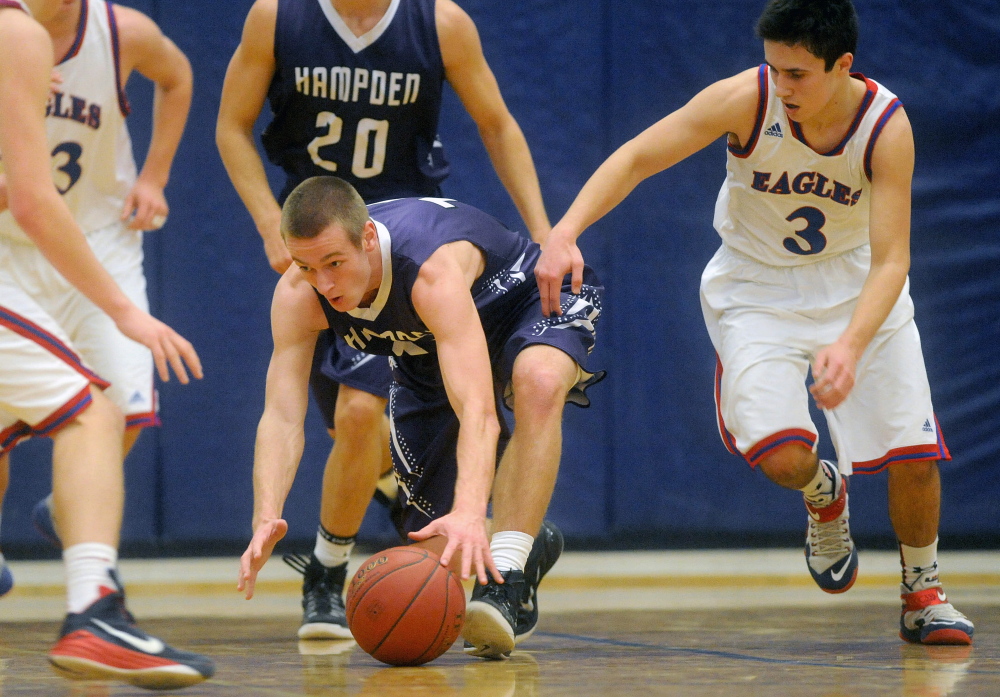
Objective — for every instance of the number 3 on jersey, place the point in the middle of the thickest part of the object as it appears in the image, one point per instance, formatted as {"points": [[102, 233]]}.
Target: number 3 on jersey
{"points": [[810, 234], [369, 130], [66, 159]]}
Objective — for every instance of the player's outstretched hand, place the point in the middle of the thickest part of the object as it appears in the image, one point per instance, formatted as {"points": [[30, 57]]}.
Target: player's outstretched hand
{"points": [[560, 256], [169, 348], [145, 207], [264, 538], [833, 375], [465, 534]]}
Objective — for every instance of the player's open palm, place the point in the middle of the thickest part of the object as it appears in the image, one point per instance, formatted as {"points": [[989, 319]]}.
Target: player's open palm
{"points": [[466, 535], [560, 256], [168, 347], [265, 537]]}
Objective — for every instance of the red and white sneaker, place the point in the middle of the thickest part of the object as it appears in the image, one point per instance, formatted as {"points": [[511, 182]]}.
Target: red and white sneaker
{"points": [[928, 618], [104, 643], [830, 552]]}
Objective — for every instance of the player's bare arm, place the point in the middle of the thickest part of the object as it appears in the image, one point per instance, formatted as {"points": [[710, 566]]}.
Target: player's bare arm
{"points": [[725, 108], [469, 74], [889, 234], [243, 95], [443, 301], [43, 215], [146, 50], [296, 320]]}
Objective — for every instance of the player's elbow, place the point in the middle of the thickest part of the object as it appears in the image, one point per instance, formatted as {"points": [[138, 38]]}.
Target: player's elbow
{"points": [[27, 206]]}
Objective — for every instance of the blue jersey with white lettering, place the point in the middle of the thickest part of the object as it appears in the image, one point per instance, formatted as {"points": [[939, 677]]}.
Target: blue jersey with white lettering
{"points": [[412, 229], [362, 108]]}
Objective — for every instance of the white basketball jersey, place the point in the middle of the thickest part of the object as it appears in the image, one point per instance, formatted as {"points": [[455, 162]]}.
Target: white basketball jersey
{"points": [[92, 163], [783, 203]]}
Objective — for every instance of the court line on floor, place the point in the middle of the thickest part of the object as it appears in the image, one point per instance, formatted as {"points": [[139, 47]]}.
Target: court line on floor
{"points": [[732, 655]]}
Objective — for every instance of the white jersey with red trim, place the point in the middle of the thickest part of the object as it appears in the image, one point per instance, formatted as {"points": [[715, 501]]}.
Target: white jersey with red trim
{"points": [[783, 203], [92, 162]]}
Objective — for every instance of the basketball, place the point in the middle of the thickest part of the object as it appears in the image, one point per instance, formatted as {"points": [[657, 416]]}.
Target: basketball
{"points": [[404, 608]]}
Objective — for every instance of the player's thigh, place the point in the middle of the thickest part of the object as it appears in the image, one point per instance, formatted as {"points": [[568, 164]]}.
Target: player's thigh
{"points": [[552, 352], [43, 383], [762, 395], [890, 411]]}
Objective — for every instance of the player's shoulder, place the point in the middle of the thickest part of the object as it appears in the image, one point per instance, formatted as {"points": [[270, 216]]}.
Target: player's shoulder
{"points": [[452, 21], [22, 38], [134, 27], [15, 24]]}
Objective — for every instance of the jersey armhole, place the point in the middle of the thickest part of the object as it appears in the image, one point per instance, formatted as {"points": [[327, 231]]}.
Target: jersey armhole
{"points": [[116, 55], [762, 99], [876, 131]]}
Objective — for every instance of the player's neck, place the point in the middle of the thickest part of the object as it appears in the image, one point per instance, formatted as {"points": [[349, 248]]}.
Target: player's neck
{"points": [[361, 16], [836, 117], [62, 28], [375, 279]]}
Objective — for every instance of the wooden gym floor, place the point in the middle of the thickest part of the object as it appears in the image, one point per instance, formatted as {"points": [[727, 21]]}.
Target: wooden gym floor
{"points": [[658, 623]]}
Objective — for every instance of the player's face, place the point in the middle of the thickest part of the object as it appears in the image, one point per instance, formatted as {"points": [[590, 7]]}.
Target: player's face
{"points": [[801, 80], [344, 274]]}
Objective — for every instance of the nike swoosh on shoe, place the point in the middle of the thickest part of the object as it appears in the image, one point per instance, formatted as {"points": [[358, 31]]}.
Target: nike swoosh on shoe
{"points": [[148, 645], [837, 575]]}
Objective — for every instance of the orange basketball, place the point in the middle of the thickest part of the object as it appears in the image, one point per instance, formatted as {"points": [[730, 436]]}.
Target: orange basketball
{"points": [[404, 608]]}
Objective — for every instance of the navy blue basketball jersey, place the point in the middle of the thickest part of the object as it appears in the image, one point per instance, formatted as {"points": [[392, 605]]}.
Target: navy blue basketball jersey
{"points": [[412, 229], [362, 108]]}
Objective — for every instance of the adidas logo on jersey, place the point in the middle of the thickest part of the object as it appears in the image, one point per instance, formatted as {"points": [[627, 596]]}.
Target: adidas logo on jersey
{"points": [[774, 130], [136, 398], [927, 426]]}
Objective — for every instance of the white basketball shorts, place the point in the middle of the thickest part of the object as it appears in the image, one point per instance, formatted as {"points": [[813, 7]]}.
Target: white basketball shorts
{"points": [[767, 323], [43, 382], [126, 364]]}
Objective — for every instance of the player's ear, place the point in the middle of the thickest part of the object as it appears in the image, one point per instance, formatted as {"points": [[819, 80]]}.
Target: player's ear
{"points": [[369, 238], [845, 62]]}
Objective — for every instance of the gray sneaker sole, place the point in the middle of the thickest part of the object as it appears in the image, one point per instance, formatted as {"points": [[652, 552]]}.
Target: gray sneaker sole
{"points": [[486, 629], [324, 630]]}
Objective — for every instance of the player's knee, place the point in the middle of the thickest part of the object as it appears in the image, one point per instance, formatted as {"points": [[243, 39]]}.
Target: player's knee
{"points": [[541, 385], [920, 473], [791, 466], [358, 412]]}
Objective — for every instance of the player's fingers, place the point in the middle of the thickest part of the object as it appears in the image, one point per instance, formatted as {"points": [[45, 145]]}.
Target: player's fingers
{"points": [[160, 361], [174, 358], [129, 207], [491, 565], [481, 569], [186, 355], [577, 281]]}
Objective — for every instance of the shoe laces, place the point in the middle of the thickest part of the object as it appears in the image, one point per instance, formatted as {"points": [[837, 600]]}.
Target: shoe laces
{"points": [[831, 539]]}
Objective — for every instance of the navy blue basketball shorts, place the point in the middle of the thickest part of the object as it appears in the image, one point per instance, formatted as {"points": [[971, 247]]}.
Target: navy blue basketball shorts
{"points": [[424, 427], [335, 363]]}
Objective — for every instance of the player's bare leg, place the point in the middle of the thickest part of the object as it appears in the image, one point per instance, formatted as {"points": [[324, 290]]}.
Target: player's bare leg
{"points": [[914, 509], [360, 454], [499, 615], [43, 515]]}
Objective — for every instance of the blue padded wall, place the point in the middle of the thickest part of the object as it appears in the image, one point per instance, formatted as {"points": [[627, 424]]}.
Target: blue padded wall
{"points": [[644, 465]]}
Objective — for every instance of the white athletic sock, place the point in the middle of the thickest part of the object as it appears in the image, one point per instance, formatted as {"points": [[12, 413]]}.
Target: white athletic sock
{"points": [[510, 549], [920, 567], [820, 491], [331, 550], [87, 566]]}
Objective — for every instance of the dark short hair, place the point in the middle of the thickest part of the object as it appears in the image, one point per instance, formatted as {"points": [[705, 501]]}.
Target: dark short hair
{"points": [[319, 202], [826, 28]]}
